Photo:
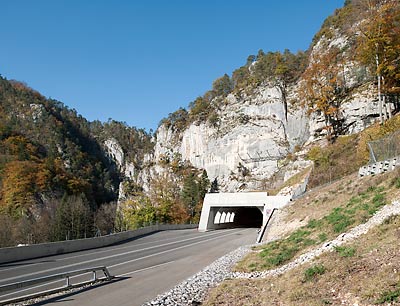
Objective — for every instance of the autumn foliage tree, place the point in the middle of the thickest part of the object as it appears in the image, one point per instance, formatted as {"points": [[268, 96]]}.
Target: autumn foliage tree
{"points": [[379, 46], [322, 89]]}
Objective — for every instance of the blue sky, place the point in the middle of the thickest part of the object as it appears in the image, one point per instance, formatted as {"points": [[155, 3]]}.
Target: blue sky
{"points": [[138, 61]]}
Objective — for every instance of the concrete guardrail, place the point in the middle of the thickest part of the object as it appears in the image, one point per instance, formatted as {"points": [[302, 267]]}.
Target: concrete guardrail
{"points": [[61, 247]]}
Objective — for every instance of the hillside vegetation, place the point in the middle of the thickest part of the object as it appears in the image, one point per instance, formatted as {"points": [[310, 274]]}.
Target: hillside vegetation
{"points": [[54, 173], [364, 271], [59, 181]]}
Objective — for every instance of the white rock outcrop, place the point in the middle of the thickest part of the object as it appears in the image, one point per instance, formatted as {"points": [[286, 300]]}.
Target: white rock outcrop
{"points": [[252, 136]]}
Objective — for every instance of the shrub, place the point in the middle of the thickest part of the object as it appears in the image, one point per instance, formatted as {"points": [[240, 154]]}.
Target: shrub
{"points": [[388, 296], [339, 220], [313, 271], [345, 251], [285, 254], [396, 182], [314, 223]]}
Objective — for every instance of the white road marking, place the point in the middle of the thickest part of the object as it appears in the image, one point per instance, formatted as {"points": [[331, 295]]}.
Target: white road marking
{"points": [[145, 269], [125, 253], [43, 285], [59, 281], [30, 288], [97, 252], [170, 250]]}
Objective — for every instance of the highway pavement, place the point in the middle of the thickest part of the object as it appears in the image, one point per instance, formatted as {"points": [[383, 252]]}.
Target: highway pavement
{"points": [[144, 267]]}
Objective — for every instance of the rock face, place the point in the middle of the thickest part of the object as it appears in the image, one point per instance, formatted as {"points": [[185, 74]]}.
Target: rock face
{"points": [[252, 136]]}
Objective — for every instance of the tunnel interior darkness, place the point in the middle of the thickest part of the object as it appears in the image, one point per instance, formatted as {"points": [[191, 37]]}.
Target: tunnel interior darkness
{"points": [[236, 217], [248, 217]]}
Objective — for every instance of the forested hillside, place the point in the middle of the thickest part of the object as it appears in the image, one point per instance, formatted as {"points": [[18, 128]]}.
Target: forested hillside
{"points": [[55, 175]]}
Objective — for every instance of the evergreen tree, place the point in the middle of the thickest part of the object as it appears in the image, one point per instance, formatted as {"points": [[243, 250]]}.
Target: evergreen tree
{"points": [[223, 86], [190, 193], [204, 184], [214, 186]]}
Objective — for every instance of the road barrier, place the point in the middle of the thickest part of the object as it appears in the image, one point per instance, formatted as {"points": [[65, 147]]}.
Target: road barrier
{"points": [[47, 279], [61, 247]]}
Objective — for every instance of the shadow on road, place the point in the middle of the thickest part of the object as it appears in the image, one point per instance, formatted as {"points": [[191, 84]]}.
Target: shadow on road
{"points": [[68, 296], [24, 264]]}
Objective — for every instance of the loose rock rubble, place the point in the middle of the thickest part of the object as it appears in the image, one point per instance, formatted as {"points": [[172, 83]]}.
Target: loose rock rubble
{"points": [[193, 290]]}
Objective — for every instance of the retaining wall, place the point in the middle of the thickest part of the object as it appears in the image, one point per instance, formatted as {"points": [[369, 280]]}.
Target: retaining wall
{"points": [[379, 167], [61, 247]]}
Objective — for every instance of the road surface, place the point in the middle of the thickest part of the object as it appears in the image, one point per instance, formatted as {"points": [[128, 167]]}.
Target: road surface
{"points": [[145, 267]]}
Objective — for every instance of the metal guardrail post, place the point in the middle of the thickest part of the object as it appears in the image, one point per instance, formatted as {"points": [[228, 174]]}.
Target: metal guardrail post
{"points": [[42, 280]]}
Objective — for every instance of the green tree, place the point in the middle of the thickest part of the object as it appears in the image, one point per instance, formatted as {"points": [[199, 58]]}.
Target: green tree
{"points": [[193, 192], [222, 86], [136, 213], [204, 185], [281, 70], [240, 77], [190, 193], [199, 109], [214, 188]]}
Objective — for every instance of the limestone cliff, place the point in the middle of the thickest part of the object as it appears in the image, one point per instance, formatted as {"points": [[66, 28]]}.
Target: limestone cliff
{"points": [[253, 137]]}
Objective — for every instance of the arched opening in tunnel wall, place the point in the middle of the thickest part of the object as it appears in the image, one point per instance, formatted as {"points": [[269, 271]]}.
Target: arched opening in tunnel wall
{"points": [[244, 209], [231, 217]]}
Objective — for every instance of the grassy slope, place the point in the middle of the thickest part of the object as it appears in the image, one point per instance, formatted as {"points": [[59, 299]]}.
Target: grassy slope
{"points": [[364, 272]]}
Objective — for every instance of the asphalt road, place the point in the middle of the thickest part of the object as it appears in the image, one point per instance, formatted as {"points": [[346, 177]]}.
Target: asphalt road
{"points": [[145, 267]]}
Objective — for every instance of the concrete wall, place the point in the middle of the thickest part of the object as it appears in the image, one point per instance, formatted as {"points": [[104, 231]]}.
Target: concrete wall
{"points": [[214, 202], [61, 247], [379, 167]]}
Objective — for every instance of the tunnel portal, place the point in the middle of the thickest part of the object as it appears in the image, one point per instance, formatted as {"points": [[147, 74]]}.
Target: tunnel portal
{"points": [[232, 210]]}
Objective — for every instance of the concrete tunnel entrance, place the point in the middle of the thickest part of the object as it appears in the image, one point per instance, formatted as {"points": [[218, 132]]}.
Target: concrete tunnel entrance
{"points": [[233, 210]]}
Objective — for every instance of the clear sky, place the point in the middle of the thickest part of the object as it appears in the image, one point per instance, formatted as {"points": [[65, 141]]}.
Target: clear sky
{"points": [[138, 61]]}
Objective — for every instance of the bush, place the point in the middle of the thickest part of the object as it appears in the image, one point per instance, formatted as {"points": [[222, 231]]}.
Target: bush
{"points": [[282, 257], [313, 271], [339, 220], [388, 296], [396, 182], [345, 251]]}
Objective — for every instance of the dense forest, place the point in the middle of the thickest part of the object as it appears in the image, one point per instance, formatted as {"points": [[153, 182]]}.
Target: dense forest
{"points": [[55, 176], [58, 181]]}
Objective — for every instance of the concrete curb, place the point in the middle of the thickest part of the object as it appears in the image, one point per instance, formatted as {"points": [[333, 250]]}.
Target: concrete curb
{"points": [[54, 248]]}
